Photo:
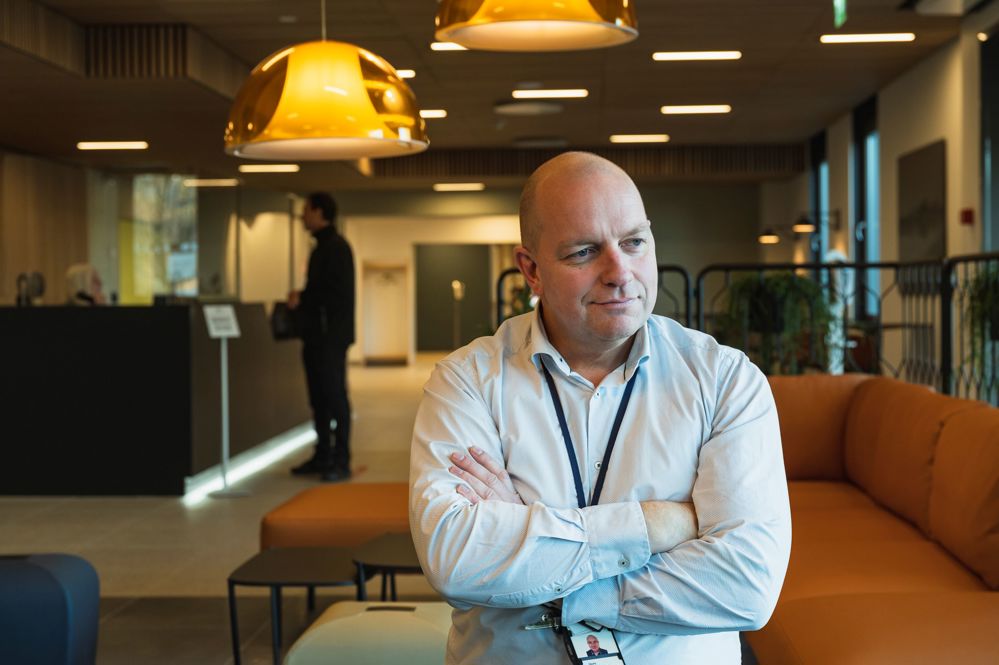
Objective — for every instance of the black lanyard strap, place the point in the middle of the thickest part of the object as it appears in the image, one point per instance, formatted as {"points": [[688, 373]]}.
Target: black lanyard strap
{"points": [[567, 438]]}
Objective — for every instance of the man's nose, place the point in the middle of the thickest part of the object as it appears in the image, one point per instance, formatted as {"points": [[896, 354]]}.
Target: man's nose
{"points": [[616, 268]]}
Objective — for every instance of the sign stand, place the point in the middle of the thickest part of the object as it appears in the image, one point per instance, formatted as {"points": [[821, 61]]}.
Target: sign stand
{"points": [[222, 324]]}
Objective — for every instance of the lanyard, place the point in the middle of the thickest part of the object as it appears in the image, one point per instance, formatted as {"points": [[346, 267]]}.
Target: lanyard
{"points": [[567, 438]]}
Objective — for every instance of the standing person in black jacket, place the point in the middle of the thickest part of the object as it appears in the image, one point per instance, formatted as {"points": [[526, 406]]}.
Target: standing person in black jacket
{"points": [[326, 313]]}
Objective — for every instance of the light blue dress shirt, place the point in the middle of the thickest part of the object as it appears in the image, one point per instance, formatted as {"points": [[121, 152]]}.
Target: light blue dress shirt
{"points": [[701, 427]]}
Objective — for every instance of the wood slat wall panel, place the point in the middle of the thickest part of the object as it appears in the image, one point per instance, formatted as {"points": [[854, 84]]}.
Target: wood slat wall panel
{"points": [[31, 28], [43, 224]]}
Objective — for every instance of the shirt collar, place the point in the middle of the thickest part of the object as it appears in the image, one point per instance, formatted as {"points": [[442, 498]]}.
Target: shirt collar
{"points": [[540, 347]]}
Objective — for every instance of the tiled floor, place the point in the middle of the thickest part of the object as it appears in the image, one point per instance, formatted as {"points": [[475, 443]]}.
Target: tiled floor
{"points": [[163, 565]]}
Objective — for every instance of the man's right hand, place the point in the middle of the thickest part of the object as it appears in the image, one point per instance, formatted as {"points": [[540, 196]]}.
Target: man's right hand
{"points": [[669, 523], [294, 299]]}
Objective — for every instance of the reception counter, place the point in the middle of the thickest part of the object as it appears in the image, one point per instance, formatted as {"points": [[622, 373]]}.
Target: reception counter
{"points": [[126, 400]]}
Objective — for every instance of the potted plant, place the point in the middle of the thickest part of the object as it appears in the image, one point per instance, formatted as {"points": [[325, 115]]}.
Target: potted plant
{"points": [[780, 320], [983, 306]]}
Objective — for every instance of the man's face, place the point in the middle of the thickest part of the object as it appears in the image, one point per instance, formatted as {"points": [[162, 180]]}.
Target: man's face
{"points": [[593, 643], [594, 267], [312, 218]]}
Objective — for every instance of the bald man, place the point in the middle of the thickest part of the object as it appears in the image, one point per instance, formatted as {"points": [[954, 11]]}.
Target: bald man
{"points": [[594, 462]]}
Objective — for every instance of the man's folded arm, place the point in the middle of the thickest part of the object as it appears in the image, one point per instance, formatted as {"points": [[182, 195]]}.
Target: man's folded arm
{"points": [[729, 577], [495, 553]]}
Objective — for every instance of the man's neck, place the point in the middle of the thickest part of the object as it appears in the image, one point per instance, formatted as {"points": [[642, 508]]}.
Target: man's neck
{"points": [[593, 362]]}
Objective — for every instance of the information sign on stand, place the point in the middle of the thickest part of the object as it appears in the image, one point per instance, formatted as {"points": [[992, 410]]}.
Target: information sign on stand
{"points": [[222, 325]]}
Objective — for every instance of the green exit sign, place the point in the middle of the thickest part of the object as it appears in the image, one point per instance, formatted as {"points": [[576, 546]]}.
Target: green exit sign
{"points": [[839, 13]]}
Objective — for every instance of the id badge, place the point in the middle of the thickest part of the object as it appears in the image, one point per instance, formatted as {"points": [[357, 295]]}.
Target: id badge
{"points": [[586, 643]]}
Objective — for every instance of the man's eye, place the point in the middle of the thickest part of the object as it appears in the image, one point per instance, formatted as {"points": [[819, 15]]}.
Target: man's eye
{"points": [[581, 254], [633, 242]]}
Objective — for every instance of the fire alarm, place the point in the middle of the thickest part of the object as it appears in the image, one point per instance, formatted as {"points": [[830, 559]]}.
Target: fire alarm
{"points": [[968, 216]]}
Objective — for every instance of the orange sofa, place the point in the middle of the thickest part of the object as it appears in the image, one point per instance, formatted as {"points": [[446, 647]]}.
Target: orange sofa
{"points": [[895, 516]]}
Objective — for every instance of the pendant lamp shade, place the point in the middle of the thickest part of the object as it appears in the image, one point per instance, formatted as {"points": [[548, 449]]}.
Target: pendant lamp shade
{"points": [[324, 100], [536, 25]]}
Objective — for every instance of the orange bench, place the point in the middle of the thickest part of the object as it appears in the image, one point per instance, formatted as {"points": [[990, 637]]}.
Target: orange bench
{"points": [[343, 515]]}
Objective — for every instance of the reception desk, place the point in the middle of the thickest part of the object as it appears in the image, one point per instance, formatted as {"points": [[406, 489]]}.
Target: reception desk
{"points": [[126, 400]]}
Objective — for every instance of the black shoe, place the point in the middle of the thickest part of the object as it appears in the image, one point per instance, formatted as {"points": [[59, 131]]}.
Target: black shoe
{"points": [[314, 465], [335, 474]]}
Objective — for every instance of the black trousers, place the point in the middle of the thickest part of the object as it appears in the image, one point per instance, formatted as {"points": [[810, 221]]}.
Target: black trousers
{"points": [[326, 375]]}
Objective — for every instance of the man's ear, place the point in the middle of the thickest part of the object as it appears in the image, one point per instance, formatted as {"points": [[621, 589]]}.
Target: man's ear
{"points": [[528, 268]]}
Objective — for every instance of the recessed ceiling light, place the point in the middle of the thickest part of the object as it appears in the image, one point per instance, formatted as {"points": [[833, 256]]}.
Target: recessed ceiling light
{"points": [[406, 73], [696, 108], [871, 38], [269, 168], [112, 145], [433, 113], [529, 107], [676, 56], [211, 182], [568, 93], [459, 186], [639, 138], [983, 36], [446, 46]]}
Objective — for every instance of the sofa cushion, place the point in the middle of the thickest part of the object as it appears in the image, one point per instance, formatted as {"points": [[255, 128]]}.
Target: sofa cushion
{"points": [[944, 627], [964, 503], [899, 563], [812, 412], [891, 436], [819, 494]]}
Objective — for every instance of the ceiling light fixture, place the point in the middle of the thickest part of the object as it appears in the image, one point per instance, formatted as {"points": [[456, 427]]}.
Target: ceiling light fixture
{"points": [[803, 225], [639, 138], [406, 73], [112, 145], [446, 46], [696, 108], [983, 36], [459, 186], [569, 93], [872, 38], [433, 113], [682, 56], [324, 100], [269, 168], [526, 108], [529, 25], [211, 182], [768, 237]]}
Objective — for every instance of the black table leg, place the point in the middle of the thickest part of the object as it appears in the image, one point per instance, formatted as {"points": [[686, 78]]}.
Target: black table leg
{"points": [[395, 596], [384, 584], [362, 590], [234, 623], [276, 623], [311, 599]]}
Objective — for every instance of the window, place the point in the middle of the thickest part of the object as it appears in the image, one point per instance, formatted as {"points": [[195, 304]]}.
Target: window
{"points": [[866, 201]]}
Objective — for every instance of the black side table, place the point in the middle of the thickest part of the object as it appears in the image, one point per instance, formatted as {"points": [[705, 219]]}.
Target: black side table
{"points": [[387, 554], [308, 567]]}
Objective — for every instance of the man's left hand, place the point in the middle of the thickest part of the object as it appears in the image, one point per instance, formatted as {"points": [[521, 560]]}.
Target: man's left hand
{"points": [[486, 479]]}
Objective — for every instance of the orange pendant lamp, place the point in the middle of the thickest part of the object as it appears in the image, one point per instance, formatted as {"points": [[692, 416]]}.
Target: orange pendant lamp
{"points": [[324, 100], [536, 25]]}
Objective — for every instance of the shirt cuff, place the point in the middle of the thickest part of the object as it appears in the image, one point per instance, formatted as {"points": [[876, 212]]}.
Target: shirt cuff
{"points": [[618, 538], [597, 602]]}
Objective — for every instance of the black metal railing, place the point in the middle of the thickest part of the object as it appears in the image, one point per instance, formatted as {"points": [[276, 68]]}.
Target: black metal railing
{"points": [[971, 289], [934, 323]]}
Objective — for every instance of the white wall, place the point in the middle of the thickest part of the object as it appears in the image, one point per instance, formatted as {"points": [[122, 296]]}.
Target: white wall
{"points": [[390, 241], [839, 145], [781, 203]]}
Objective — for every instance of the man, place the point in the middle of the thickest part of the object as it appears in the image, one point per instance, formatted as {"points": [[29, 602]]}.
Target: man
{"points": [[676, 538], [593, 647], [326, 315]]}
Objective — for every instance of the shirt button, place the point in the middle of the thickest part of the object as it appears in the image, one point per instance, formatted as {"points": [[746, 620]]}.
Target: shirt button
{"points": [[558, 589], [598, 465], [623, 563]]}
